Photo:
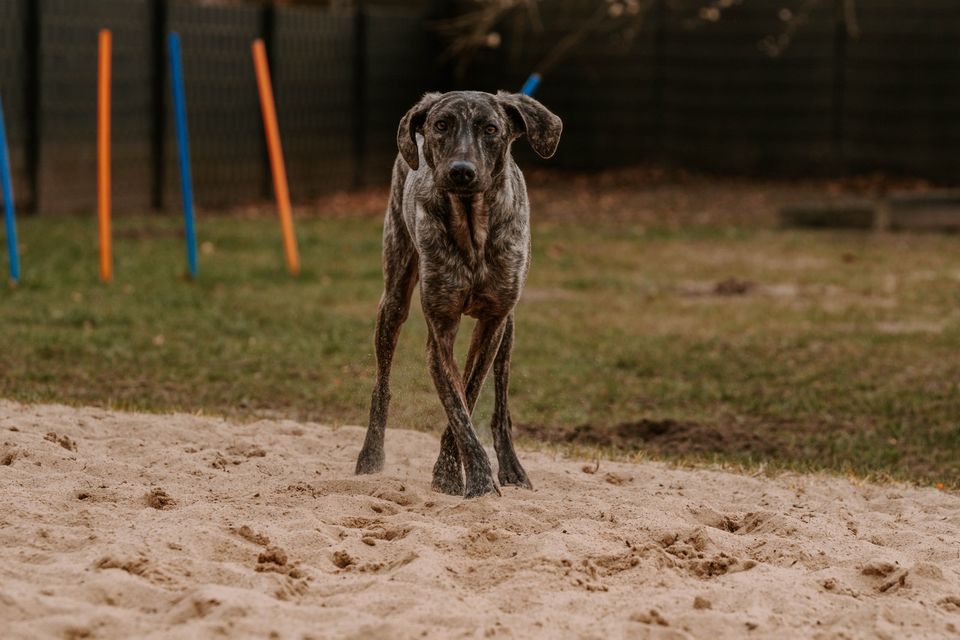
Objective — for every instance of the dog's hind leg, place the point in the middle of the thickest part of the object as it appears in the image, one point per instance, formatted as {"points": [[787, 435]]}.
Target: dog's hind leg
{"points": [[510, 472], [400, 278]]}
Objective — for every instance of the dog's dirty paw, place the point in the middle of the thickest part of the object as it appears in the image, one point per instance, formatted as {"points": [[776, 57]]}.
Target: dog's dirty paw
{"points": [[369, 462], [511, 472], [514, 476], [481, 487], [448, 473], [448, 486], [450, 482]]}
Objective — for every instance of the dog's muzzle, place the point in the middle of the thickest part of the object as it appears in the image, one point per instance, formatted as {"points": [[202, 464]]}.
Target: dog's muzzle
{"points": [[462, 175]]}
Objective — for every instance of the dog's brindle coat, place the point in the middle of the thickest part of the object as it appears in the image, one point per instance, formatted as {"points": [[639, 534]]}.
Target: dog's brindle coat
{"points": [[459, 221]]}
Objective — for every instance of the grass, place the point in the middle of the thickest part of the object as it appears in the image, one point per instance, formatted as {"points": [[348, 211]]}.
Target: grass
{"points": [[829, 350]]}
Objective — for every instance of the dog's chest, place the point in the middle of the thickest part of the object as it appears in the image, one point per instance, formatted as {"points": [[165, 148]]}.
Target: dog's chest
{"points": [[491, 284], [468, 221], [474, 262]]}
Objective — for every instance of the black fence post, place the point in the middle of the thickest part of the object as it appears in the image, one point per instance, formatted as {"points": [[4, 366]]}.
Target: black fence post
{"points": [[32, 92], [268, 21], [839, 85], [360, 95], [158, 103], [659, 16]]}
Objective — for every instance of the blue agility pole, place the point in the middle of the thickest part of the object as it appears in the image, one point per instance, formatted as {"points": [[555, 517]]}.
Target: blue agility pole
{"points": [[530, 86], [13, 253], [183, 148]]}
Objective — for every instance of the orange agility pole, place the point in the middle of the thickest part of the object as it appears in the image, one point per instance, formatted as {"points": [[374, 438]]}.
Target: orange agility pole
{"points": [[103, 155], [280, 187]]}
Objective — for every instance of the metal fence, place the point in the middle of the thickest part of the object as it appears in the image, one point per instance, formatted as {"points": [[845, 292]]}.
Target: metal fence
{"points": [[725, 104], [901, 100], [226, 135], [704, 96], [315, 75], [67, 102], [703, 93], [342, 80], [15, 72]]}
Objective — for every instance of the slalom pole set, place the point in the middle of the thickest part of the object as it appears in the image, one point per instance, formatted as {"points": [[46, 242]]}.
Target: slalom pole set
{"points": [[104, 161]]}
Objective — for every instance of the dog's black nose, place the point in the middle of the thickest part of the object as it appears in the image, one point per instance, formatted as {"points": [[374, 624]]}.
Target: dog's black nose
{"points": [[463, 173]]}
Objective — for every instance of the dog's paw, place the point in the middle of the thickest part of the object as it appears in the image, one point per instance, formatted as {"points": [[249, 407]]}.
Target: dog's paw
{"points": [[515, 478], [481, 486], [369, 462], [448, 473], [511, 473], [450, 484]]}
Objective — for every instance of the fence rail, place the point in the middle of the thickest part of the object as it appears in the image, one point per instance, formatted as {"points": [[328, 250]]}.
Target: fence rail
{"points": [[706, 97]]}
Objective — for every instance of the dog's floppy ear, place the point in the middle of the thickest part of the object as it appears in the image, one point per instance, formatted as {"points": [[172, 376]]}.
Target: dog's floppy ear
{"points": [[410, 125], [542, 126]]}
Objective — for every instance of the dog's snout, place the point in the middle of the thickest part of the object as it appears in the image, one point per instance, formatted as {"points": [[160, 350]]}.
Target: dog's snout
{"points": [[463, 173]]}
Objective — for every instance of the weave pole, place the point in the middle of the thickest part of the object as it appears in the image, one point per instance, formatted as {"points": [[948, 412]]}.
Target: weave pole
{"points": [[183, 151], [103, 155], [530, 86], [280, 187], [6, 180]]}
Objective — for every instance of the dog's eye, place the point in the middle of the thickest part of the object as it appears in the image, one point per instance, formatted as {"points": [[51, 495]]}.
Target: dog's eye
{"points": [[441, 125], [491, 129]]}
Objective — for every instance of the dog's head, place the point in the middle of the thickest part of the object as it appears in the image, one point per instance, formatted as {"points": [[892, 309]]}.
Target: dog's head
{"points": [[467, 135]]}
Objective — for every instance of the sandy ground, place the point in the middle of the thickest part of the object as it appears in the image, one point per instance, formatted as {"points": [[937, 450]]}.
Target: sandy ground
{"points": [[117, 525]]}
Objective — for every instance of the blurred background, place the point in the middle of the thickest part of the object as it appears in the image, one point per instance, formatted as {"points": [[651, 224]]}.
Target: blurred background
{"points": [[744, 250], [787, 88]]}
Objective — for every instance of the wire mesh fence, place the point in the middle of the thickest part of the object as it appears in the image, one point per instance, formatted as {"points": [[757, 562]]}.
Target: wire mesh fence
{"points": [[66, 110], [226, 134], [901, 96], [315, 77], [15, 90], [704, 95]]}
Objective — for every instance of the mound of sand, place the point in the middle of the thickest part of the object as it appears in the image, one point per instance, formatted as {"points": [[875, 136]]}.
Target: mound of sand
{"points": [[116, 525]]}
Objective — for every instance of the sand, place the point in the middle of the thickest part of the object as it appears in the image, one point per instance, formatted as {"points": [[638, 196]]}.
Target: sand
{"points": [[118, 525]]}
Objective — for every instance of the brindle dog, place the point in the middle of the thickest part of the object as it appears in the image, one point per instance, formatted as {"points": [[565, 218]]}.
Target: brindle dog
{"points": [[459, 221]]}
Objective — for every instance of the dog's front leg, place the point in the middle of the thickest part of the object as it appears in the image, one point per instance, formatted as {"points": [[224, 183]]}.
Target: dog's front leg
{"points": [[450, 388], [447, 472], [399, 279]]}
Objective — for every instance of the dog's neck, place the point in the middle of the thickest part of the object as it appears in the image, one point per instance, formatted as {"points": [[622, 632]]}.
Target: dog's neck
{"points": [[468, 223]]}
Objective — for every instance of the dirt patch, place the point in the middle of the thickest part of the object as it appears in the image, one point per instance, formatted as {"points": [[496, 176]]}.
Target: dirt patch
{"points": [[734, 287], [667, 436], [255, 537], [247, 451], [651, 617], [160, 499], [7, 457], [342, 559], [64, 441], [274, 560]]}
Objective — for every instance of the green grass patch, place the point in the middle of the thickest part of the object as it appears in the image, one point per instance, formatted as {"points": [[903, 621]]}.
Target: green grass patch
{"points": [[838, 351]]}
